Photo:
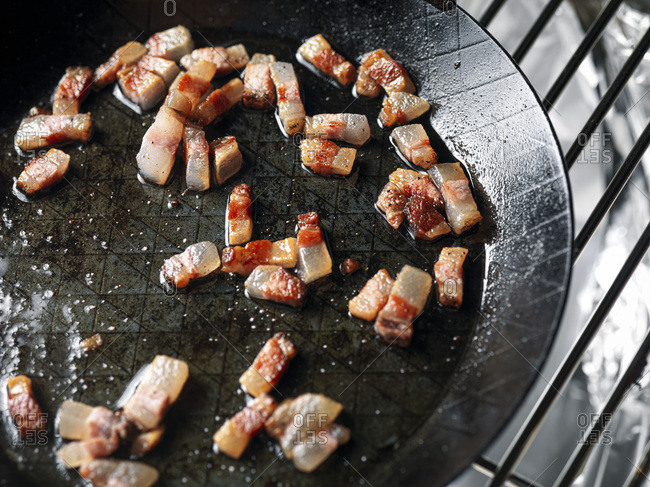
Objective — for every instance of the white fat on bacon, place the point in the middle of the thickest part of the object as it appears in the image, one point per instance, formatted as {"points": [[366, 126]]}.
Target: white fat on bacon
{"points": [[269, 365], [197, 159], [239, 220], [141, 86], [226, 59], [195, 82], [44, 172], [127, 54], [171, 44], [407, 298], [40, 131], [259, 93], [400, 108], [351, 128], [379, 69], [460, 206], [274, 283], [326, 158], [71, 91], [290, 108], [218, 102], [317, 51], [314, 260], [413, 142], [243, 260], [227, 159], [372, 297], [119, 473], [450, 276], [165, 68], [196, 261]]}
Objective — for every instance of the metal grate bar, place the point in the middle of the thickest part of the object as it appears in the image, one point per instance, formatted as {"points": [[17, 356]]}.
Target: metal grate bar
{"points": [[580, 455], [487, 467], [491, 12], [587, 44], [614, 188], [535, 30], [639, 475], [608, 99], [524, 437]]}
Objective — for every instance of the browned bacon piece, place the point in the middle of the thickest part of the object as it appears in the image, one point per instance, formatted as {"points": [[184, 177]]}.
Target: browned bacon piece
{"points": [[413, 142], [242, 260], [269, 365], [44, 172], [40, 131], [119, 473], [318, 52], [22, 406], [166, 69], [72, 90], [239, 220], [227, 159], [274, 283], [449, 276], [141, 86], [171, 44], [372, 297], [425, 221], [400, 108], [233, 436], [392, 202], [349, 266], [326, 158], [218, 102], [106, 73], [259, 92], [314, 259], [378, 68], [226, 59], [195, 82], [291, 111]]}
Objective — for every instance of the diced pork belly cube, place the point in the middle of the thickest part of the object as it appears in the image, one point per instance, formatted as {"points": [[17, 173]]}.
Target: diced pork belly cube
{"points": [[196, 261], [318, 52], [386, 72], [195, 82], [234, 435], [237, 56], [171, 44], [141, 86], [269, 365], [178, 102], [127, 54], [406, 300], [392, 202], [413, 143], [315, 449], [119, 473], [45, 130], [423, 187], [72, 90], [347, 127], [273, 283], [218, 102], [44, 172], [166, 69], [197, 159], [424, 220], [449, 276], [324, 157], [365, 85], [460, 206], [259, 92], [23, 407], [226, 158], [226, 59], [159, 145], [400, 108], [372, 297], [290, 108], [314, 260], [243, 260], [160, 386], [239, 220]]}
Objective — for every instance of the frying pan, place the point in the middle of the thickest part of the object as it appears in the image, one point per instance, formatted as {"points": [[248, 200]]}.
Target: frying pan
{"points": [[86, 258]]}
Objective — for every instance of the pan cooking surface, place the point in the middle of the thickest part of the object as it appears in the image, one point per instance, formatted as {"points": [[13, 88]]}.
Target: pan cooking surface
{"points": [[86, 258]]}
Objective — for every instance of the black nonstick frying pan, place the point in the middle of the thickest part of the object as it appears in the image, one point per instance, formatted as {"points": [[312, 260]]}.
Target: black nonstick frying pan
{"points": [[85, 259]]}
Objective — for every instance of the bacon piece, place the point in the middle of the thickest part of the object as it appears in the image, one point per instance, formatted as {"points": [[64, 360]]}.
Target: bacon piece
{"points": [[400, 108], [43, 172], [171, 44], [372, 297], [258, 85], [306, 431], [406, 300], [365, 85], [314, 260], [45, 130], [318, 52], [379, 67], [195, 82], [424, 220], [197, 159], [145, 442], [218, 102], [91, 343], [235, 434], [423, 187], [119, 473], [225, 59], [160, 386], [324, 157], [242, 260], [226, 158], [166, 69], [449, 276], [347, 127], [269, 365], [72, 90], [392, 202], [141, 86], [159, 145], [273, 283], [127, 54], [460, 206], [239, 220], [413, 143], [349, 266], [197, 260], [22, 406], [178, 102], [290, 108]]}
